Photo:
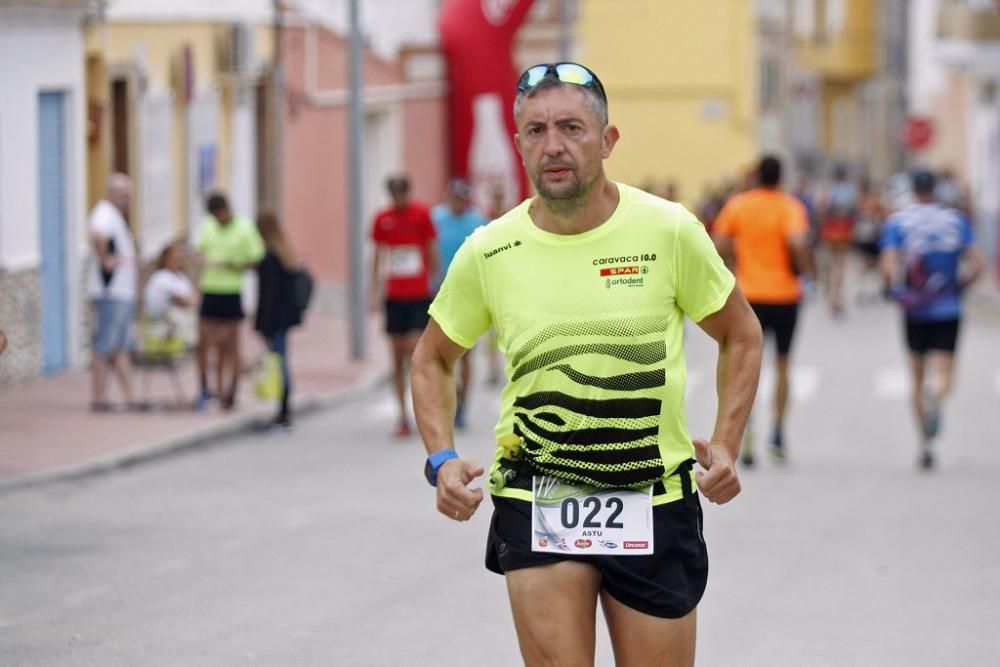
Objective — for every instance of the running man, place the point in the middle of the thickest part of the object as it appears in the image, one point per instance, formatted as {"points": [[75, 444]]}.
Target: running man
{"points": [[764, 233], [928, 259], [840, 212], [405, 250], [454, 221], [592, 485]]}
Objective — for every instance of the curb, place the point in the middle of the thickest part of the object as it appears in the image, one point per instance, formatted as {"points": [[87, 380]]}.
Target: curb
{"points": [[208, 436]]}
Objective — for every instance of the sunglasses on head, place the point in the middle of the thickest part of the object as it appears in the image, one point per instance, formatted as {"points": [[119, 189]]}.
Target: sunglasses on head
{"points": [[573, 73]]}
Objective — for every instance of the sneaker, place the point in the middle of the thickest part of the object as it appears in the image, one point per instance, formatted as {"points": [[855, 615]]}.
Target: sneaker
{"points": [[402, 429], [746, 449], [228, 402], [932, 416], [778, 447], [926, 461], [460, 416], [202, 403]]}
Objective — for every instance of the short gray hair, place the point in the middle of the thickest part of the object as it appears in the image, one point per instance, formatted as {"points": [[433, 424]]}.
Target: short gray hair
{"points": [[119, 183], [597, 103]]}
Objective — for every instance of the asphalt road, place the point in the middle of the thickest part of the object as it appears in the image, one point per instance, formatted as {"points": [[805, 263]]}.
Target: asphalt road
{"points": [[323, 547]]}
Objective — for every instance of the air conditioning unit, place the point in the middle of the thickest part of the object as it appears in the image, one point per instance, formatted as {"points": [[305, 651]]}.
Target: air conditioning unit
{"points": [[236, 49]]}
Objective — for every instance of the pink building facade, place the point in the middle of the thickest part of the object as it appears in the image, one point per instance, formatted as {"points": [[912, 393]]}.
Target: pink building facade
{"points": [[405, 131]]}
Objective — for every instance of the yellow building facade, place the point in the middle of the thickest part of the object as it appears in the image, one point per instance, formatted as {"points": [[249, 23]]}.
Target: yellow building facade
{"points": [[162, 100], [837, 42], [681, 81]]}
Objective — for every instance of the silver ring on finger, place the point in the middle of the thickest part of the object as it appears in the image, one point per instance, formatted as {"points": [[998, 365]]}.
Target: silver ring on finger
{"points": [[456, 514]]}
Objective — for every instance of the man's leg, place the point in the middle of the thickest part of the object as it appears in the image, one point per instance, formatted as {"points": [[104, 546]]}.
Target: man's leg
{"points": [[220, 358], [917, 368], [229, 362], [938, 372], [204, 342], [400, 349], [641, 639], [99, 359], [838, 268], [781, 389], [785, 318], [943, 364], [98, 381], [122, 366], [922, 411], [555, 608]]}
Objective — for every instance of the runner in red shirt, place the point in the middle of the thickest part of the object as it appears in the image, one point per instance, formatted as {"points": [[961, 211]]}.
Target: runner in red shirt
{"points": [[405, 259]]}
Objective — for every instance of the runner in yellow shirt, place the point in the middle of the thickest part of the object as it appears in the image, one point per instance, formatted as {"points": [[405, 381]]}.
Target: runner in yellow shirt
{"points": [[588, 285]]}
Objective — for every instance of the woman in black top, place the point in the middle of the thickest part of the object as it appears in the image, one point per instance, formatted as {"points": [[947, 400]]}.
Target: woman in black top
{"points": [[277, 309]]}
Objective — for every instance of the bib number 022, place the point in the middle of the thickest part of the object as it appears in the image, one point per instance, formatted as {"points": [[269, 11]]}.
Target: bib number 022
{"points": [[570, 512], [572, 519]]}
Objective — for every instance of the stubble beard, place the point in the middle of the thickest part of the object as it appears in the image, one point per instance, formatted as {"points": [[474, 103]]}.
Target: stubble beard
{"points": [[564, 203]]}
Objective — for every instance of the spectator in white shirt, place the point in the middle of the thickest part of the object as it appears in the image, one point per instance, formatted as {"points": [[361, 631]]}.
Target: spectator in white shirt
{"points": [[112, 289]]}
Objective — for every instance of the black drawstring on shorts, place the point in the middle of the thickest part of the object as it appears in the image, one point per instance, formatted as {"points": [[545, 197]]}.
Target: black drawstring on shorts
{"points": [[684, 470]]}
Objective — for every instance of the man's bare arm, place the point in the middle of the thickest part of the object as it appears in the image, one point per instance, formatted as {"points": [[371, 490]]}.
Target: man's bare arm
{"points": [[799, 244], [433, 388], [104, 258], [737, 331], [972, 267], [888, 264], [434, 397]]}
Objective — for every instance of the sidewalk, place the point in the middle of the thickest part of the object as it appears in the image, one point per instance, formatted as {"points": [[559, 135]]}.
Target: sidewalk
{"points": [[47, 430]]}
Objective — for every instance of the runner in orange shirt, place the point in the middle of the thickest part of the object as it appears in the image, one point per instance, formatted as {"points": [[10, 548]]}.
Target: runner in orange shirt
{"points": [[763, 234]]}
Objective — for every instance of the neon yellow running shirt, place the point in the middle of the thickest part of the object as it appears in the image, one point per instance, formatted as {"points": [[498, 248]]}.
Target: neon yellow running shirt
{"points": [[235, 243], [592, 327]]}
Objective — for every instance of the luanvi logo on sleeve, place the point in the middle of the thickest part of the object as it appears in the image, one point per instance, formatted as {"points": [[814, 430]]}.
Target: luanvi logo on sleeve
{"points": [[500, 249]]}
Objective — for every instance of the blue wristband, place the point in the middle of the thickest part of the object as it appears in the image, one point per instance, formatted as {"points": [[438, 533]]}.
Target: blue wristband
{"points": [[434, 463]]}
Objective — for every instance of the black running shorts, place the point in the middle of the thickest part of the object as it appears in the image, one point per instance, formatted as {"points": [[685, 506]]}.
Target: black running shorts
{"points": [[221, 307], [402, 317], [922, 337], [668, 583], [779, 319]]}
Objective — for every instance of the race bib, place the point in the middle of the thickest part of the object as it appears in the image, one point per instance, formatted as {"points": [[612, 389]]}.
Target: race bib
{"points": [[575, 519], [405, 261]]}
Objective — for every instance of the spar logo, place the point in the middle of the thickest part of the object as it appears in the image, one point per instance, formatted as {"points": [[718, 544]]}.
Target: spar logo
{"points": [[620, 271], [636, 544], [583, 543]]}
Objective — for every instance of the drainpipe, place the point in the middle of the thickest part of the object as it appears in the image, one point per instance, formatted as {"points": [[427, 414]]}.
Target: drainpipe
{"points": [[354, 167], [275, 189]]}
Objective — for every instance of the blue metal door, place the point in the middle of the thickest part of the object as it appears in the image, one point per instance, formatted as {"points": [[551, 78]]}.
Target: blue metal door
{"points": [[52, 226]]}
